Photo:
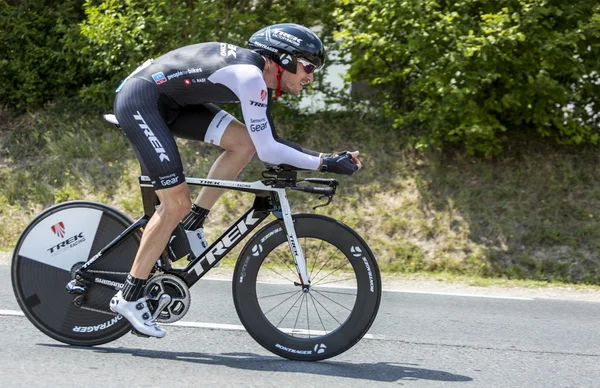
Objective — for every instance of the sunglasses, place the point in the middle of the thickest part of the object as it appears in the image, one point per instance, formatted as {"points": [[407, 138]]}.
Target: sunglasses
{"points": [[308, 67]]}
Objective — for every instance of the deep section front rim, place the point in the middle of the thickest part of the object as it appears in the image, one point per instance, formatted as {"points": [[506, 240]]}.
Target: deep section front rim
{"points": [[343, 298]]}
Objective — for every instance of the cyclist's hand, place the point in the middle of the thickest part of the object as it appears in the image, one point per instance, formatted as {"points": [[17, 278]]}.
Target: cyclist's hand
{"points": [[355, 159], [341, 164]]}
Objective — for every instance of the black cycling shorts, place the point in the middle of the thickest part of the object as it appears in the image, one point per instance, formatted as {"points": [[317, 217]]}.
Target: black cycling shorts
{"points": [[150, 122]]}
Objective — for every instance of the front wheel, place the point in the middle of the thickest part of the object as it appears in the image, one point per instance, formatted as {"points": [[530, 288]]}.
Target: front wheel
{"points": [[327, 319]]}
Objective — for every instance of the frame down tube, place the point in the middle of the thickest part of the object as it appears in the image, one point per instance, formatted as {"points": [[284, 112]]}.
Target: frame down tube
{"points": [[225, 243], [244, 226]]}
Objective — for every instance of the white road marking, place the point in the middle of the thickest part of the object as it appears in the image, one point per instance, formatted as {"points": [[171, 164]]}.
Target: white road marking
{"points": [[12, 312], [459, 294], [214, 326]]}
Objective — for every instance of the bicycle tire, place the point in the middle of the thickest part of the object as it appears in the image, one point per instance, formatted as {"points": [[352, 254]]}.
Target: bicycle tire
{"points": [[49, 247], [252, 297]]}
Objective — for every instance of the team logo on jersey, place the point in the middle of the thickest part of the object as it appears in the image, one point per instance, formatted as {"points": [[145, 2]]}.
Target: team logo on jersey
{"points": [[263, 95], [162, 153], [259, 104], [159, 78], [59, 229], [228, 50], [258, 127], [179, 73]]}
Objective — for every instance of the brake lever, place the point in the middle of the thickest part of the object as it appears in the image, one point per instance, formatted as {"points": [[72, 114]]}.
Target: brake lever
{"points": [[330, 198]]}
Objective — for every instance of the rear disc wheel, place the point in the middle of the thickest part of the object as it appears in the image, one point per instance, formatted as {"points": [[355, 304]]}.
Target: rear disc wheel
{"points": [[53, 245]]}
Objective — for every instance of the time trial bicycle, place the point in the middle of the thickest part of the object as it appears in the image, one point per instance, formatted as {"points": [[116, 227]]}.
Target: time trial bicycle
{"points": [[305, 286]]}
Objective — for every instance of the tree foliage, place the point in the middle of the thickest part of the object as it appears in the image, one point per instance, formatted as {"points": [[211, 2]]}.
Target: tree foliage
{"points": [[40, 51], [469, 71], [51, 50], [466, 72], [124, 33]]}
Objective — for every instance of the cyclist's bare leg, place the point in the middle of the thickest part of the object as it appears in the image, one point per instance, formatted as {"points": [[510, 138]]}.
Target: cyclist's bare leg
{"points": [[175, 203], [239, 150]]}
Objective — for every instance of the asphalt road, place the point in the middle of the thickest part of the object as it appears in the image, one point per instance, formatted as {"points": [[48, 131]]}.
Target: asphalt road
{"points": [[418, 340]]}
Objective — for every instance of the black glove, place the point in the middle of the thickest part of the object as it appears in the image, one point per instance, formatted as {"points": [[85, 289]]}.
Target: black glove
{"points": [[339, 164]]}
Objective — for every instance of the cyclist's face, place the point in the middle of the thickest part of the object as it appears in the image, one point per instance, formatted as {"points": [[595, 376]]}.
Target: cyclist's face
{"points": [[294, 83]]}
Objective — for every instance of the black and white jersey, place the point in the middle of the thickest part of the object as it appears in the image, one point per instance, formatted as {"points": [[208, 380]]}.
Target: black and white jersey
{"points": [[222, 73]]}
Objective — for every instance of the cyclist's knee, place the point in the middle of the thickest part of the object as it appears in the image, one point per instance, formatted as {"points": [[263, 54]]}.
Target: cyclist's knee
{"points": [[237, 141], [174, 209], [175, 202], [245, 151]]}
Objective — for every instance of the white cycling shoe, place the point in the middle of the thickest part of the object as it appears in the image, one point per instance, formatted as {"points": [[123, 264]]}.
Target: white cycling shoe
{"points": [[138, 314], [197, 242]]}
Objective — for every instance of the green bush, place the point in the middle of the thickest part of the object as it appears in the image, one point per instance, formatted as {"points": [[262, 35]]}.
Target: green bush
{"points": [[124, 33], [85, 48], [40, 54], [469, 71]]}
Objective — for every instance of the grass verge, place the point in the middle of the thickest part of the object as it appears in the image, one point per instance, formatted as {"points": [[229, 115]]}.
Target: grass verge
{"points": [[530, 213]]}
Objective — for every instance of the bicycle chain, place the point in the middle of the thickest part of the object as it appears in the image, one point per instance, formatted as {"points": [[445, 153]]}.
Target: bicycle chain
{"points": [[98, 271], [106, 272], [111, 313]]}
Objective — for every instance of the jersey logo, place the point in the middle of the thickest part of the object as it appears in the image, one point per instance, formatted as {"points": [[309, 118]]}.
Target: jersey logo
{"points": [[228, 50], [162, 154], [256, 103], [263, 95], [159, 78], [258, 127]]}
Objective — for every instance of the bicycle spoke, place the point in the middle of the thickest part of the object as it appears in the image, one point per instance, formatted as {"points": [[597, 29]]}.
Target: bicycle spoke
{"points": [[299, 311], [285, 277], [316, 257], [295, 272], [326, 297], [307, 318], [334, 281], [328, 260], [286, 314], [290, 297], [331, 273], [326, 310], [338, 293], [304, 250], [281, 293], [317, 311]]}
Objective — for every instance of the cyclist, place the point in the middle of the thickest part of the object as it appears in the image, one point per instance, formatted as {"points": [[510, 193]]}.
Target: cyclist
{"points": [[173, 95]]}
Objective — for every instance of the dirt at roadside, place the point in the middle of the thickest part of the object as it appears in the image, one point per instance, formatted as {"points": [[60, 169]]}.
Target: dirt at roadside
{"points": [[5, 258]]}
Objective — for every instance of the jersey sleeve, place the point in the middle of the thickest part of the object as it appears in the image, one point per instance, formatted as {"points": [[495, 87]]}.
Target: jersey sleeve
{"points": [[247, 83]]}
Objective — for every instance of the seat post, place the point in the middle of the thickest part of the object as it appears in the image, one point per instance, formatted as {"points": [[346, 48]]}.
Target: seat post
{"points": [[150, 200]]}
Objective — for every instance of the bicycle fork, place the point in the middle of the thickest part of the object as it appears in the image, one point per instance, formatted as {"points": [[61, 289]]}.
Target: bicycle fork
{"points": [[294, 244]]}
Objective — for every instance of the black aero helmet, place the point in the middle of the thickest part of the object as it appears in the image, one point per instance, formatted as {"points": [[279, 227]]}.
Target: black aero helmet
{"points": [[285, 42]]}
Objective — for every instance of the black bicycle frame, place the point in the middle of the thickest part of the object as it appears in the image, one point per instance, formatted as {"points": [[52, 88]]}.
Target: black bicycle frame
{"points": [[265, 203]]}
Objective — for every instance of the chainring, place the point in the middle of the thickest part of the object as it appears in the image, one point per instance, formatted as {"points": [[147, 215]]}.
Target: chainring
{"points": [[176, 289]]}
